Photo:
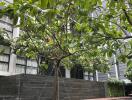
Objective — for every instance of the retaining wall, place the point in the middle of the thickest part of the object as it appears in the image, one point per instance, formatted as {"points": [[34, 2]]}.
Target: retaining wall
{"points": [[34, 87]]}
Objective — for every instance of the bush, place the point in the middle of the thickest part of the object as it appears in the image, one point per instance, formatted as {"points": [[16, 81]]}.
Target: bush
{"points": [[115, 88], [129, 73]]}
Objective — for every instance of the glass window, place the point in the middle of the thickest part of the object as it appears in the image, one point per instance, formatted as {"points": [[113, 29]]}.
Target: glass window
{"points": [[20, 65], [4, 58], [27, 66], [21, 60], [3, 66], [5, 48], [20, 69], [31, 70], [32, 63]]}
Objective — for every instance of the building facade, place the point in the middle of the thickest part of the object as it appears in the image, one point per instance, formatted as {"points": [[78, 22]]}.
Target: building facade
{"points": [[11, 64]]}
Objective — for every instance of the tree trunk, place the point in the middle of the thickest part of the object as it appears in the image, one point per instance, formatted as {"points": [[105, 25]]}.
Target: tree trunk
{"points": [[56, 81]]}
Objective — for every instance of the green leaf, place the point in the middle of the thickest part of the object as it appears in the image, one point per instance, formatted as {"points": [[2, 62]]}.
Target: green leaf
{"points": [[33, 1], [110, 52], [2, 3], [123, 58], [15, 20], [44, 3], [129, 63]]}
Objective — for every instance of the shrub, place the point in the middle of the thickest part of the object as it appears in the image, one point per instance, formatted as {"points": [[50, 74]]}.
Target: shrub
{"points": [[115, 87]]}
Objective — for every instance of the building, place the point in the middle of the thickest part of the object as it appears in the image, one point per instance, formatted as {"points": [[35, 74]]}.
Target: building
{"points": [[11, 64]]}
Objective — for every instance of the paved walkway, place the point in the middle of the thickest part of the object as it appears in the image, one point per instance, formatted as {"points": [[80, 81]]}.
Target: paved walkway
{"points": [[113, 98]]}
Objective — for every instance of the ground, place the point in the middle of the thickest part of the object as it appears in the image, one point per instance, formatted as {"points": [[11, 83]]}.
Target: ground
{"points": [[113, 98]]}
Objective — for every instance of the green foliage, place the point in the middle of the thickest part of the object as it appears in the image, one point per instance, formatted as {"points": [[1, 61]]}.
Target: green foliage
{"points": [[65, 31], [4, 38], [2, 4], [113, 81], [115, 88], [129, 70]]}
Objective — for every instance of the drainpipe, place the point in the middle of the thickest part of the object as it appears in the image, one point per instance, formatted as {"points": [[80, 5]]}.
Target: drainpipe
{"points": [[97, 76], [116, 67], [67, 73]]}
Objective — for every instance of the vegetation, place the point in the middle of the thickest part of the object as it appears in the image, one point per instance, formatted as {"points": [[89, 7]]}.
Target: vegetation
{"points": [[66, 32], [69, 31], [4, 38], [115, 88], [129, 70]]}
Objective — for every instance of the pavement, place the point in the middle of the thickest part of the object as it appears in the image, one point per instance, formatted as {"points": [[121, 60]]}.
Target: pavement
{"points": [[112, 98]]}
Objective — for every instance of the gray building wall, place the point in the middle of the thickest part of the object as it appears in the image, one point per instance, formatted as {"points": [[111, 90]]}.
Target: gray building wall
{"points": [[122, 69], [102, 76], [10, 63], [117, 71]]}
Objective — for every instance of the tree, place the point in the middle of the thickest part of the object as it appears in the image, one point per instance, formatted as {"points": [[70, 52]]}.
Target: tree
{"points": [[69, 31]]}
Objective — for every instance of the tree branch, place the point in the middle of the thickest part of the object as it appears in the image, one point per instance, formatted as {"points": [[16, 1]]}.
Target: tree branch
{"points": [[59, 44], [124, 31], [127, 16], [127, 37]]}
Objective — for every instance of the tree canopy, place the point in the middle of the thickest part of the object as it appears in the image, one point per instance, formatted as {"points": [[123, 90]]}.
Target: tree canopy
{"points": [[87, 32]]}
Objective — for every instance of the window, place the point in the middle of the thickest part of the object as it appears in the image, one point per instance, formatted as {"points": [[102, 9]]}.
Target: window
{"points": [[31, 66], [4, 58], [27, 66], [20, 65]]}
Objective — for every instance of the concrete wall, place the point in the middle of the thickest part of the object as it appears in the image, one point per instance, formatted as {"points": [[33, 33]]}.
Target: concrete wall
{"points": [[31, 87]]}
